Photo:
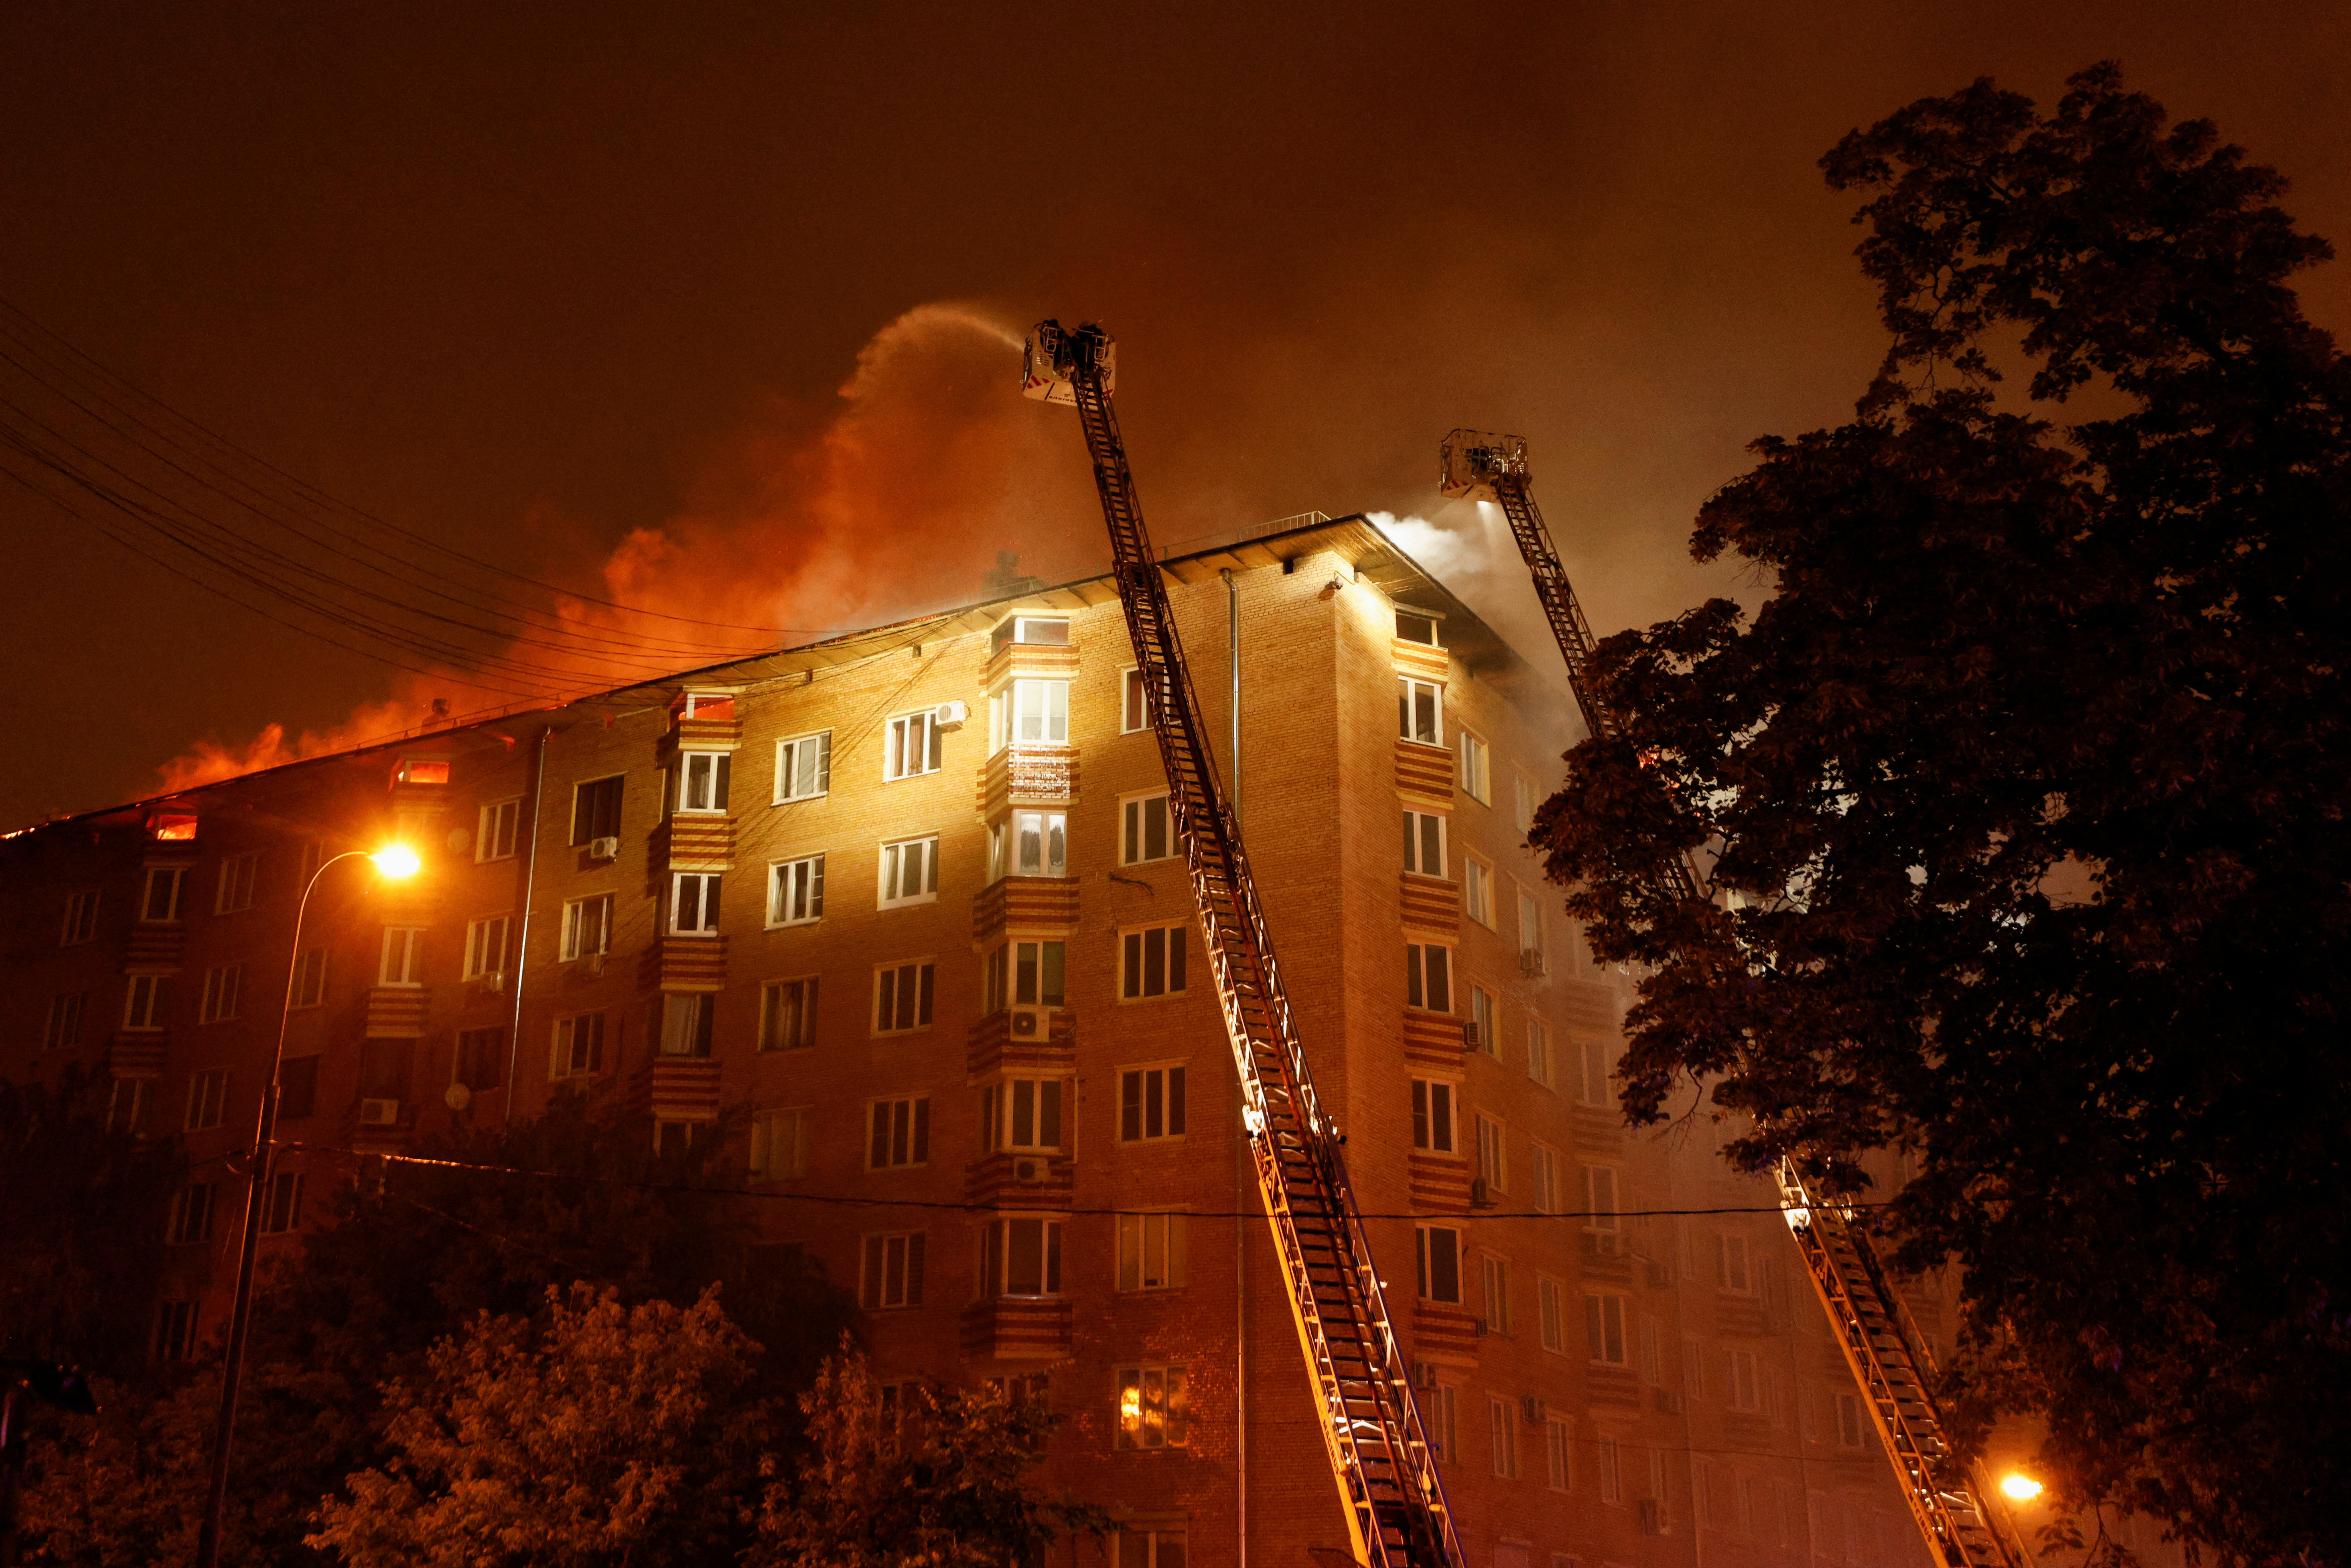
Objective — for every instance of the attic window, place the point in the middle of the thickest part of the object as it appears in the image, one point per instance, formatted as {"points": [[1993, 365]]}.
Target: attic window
{"points": [[718, 706], [1029, 629], [1413, 626], [172, 827], [422, 770]]}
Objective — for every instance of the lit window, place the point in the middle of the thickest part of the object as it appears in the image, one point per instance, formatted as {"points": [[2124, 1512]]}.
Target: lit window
{"points": [[423, 770], [1151, 1252], [804, 766], [1036, 631], [1420, 711], [902, 998], [1040, 843], [796, 892], [1134, 712], [1150, 962], [1424, 844], [1150, 1104], [910, 872], [702, 778], [1147, 833], [1432, 1115], [788, 1014], [1153, 1408], [1029, 713], [715, 708], [686, 1019], [172, 827]]}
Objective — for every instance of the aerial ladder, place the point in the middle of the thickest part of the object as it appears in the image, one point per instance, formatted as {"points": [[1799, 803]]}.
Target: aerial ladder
{"points": [[1889, 1356], [1380, 1455]]}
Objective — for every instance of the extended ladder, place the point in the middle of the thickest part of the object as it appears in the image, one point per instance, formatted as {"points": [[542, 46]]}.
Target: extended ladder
{"points": [[1882, 1345], [1394, 1507]]}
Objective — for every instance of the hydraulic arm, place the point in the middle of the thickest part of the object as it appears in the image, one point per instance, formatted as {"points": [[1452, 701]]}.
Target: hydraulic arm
{"points": [[1887, 1356], [1389, 1489]]}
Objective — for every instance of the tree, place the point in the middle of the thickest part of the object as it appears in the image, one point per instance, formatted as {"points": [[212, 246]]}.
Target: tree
{"points": [[929, 1480], [2030, 776], [601, 1434]]}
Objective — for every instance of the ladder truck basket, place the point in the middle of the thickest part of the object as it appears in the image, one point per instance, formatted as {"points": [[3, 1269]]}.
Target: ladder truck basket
{"points": [[1053, 354], [1470, 461]]}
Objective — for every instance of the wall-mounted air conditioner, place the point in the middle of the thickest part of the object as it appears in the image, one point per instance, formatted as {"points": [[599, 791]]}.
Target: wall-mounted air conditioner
{"points": [[949, 715], [1655, 1520], [1424, 1375], [1028, 1172], [1661, 1274], [604, 848], [1028, 1023], [593, 964], [1481, 1196], [1530, 963], [1473, 1038], [379, 1113], [1532, 1410], [1667, 1401]]}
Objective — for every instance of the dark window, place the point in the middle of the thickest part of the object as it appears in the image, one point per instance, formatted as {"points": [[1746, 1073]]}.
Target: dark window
{"points": [[481, 1058], [596, 809], [383, 1069], [298, 1088]]}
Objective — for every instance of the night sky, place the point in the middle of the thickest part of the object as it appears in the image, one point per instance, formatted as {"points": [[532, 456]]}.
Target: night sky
{"points": [[534, 280]]}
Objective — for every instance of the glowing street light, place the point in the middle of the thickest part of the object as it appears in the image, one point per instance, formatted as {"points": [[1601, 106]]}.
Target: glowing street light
{"points": [[398, 862], [2019, 1487]]}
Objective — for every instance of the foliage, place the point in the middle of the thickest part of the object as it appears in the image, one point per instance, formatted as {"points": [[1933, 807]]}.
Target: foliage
{"points": [[604, 1434], [2031, 777], [932, 1480]]}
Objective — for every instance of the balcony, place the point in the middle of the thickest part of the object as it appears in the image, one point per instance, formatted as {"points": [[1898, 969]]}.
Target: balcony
{"points": [[1027, 904], [688, 964], [677, 1088], [1010, 1179], [696, 841], [1018, 1328], [396, 1012], [1439, 1183], [1425, 773], [1433, 1040], [1431, 904], [154, 949], [1443, 1331], [1027, 774], [991, 1047], [137, 1055]]}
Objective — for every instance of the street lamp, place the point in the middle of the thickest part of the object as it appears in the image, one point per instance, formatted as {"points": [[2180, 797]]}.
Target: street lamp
{"points": [[397, 862], [2019, 1487]]}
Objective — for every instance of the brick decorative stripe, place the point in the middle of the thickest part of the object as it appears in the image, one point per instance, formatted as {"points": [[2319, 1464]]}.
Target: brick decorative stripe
{"points": [[1617, 1385], [1053, 661], [1017, 1329], [996, 1180], [1431, 904], [1596, 1128], [1041, 904], [989, 1047], [1589, 1006], [154, 949], [705, 734], [396, 1012], [679, 1088], [1420, 661], [1443, 1332], [1424, 773], [1028, 776], [137, 1055], [693, 964], [697, 844], [1742, 1315], [1432, 1040], [1601, 1265], [1439, 1184]]}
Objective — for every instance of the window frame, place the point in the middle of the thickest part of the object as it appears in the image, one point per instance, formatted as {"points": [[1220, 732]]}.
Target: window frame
{"points": [[486, 834], [924, 979], [772, 1010], [411, 945], [62, 1029], [1051, 1099], [717, 783], [799, 878], [1543, 1052], [477, 943], [1490, 1161], [1485, 1012], [709, 888], [207, 1100], [1408, 691], [565, 1042], [1136, 950], [1477, 889], [80, 922], [1494, 1293], [890, 861], [1605, 1340], [1175, 1410], [1551, 1312], [151, 991], [1427, 1273], [1134, 828], [895, 735], [1423, 980], [1006, 715], [281, 1208], [996, 1256], [1475, 768], [232, 894], [1173, 1116], [778, 795], [909, 1133], [581, 818], [801, 1119], [1133, 702], [1441, 1139], [1502, 1432], [873, 1265], [1133, 1244], [174, 877], [574, 911], [1417, 855]]}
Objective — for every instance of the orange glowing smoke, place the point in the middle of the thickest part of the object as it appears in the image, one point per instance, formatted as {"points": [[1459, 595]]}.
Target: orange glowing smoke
{"points": [[891, 501]]}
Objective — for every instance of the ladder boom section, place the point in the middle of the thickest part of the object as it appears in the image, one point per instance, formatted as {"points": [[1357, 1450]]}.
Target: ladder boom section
{"points": [[1380, 1455], [1882, 1346]]}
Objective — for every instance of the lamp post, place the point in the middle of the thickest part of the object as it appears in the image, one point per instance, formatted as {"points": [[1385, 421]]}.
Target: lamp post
{"points": [[397, 862]]}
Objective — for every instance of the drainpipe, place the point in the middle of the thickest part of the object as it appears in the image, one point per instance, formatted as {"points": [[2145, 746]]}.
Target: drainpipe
{"points": [[1233, 657], [522, 940], [1242, 1184]]}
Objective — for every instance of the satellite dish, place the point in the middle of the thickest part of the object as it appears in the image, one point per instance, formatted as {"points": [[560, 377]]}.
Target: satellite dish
{"points": [[458, 1097]]}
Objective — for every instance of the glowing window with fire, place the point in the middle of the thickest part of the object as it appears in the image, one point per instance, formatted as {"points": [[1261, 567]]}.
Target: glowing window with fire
{"points": [[422, 770], [172, 827], [1153, 1407]]}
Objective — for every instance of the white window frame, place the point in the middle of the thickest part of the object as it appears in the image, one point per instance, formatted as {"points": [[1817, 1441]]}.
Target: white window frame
{"points": [[800, 758], [780, 1138], [1428, 985], [1542, 1057], [1163, 1234], [482, 936], [1493, 1165], [577, 918], [1494, 1287], [577, 1045], [1550, 1314], [579, 788], [1559, 1461], [1485, 1015], [901, 1127], [1591, 1087], [1134, 819], [402, 962], [922, 974], [708, 887], [1604, 1341], [1502, 1432], [781, 1018], [1734, 1264], [498, 832], [1523, 802], [879, 1254], [1173, 1115], [1133, 702], [238, 875], [1426, 1249], [81, 918], [1175, 1384], [1409, 689], [707, 776], [1604, 1202], [142, 1003], [913, 729], [1608, 1460], [309, 979], [1477, 890], [1544, 1161], [223, 982], [1436, 1112], [1477, 764], [893, 864], [1010, 712], [1050, 831], [795, 892], [1444, 1423], [1171, 942], [1418, 854], [996, 1282], [1046, 1102], [1530, 933], [172, 877]]}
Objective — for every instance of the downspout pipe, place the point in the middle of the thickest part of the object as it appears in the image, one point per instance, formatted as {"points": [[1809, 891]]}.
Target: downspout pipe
{"points": [[1242, 1181], [522, 940]]}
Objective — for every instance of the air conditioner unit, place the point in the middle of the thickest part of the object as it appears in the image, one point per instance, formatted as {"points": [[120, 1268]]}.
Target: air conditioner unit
{"points": [[1028, 1023], [592, 965], [1655, 1520], [1667, 1401], [1532, 1410], [1530, 963], [1481, 1195], [604, 848], [379, 1113], [1473, 1038], [1424, 1375], [948, 715], [1028, 1172], [495, 980]]}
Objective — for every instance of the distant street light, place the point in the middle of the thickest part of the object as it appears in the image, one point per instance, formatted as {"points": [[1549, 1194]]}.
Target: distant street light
{"points": [[2019, 1487], [398, 862]]}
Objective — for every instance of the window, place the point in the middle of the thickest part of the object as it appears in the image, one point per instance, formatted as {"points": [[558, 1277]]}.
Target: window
{"points": [[596, 809], [1036, 631], [298, 1088], [310, 977], [1612, 1479], [1420, 711], [1411, 626], [403, 957], [1501, 1429], [1134, 712], [902, 1134], [1027, 972], [780, 1143], [1424, 844], [1023, 1113], [1701, 1493], [1532, 957], [579, 1045], [804, 767], [161, 899], [685, 1019], [1523, 802], [1146, 835], [693, 904], [1477, 890], [1741, 1389], [235, 885], [1151, 1252], [1150, 1104], [221, 988], [788, 1014], [891, 1272], [1558, 1448], [142, 1004], [1731, 1270], [1476, 769], [1153, 1546], [486, 947], [1020, 1258], [1029, 713], [65, 1020], [494, 838], [1545, 1164], [1495, 1275], [1693, 1367], [1492, 1169], [81, 918], [702, 779], [1152, 1407], [125, 1106], [902, 998], [587, 927], [281, 1209], [1040, 843], [916, 745], [910, 872], [1429, 977], [1541, 1066], [192, 1215], [1150, 962], [481, 1058], [1436, 1257], [207, 1099], [1652, 1356], [1551, 1314], [1848, 1417], [422, 770], [1600, 1206], [383, 1068], [1592, 1077], [1481, 1023], [1432, 1115], [175, 1331], [1439, 1416], [1604, 1329], [796, 892]]}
